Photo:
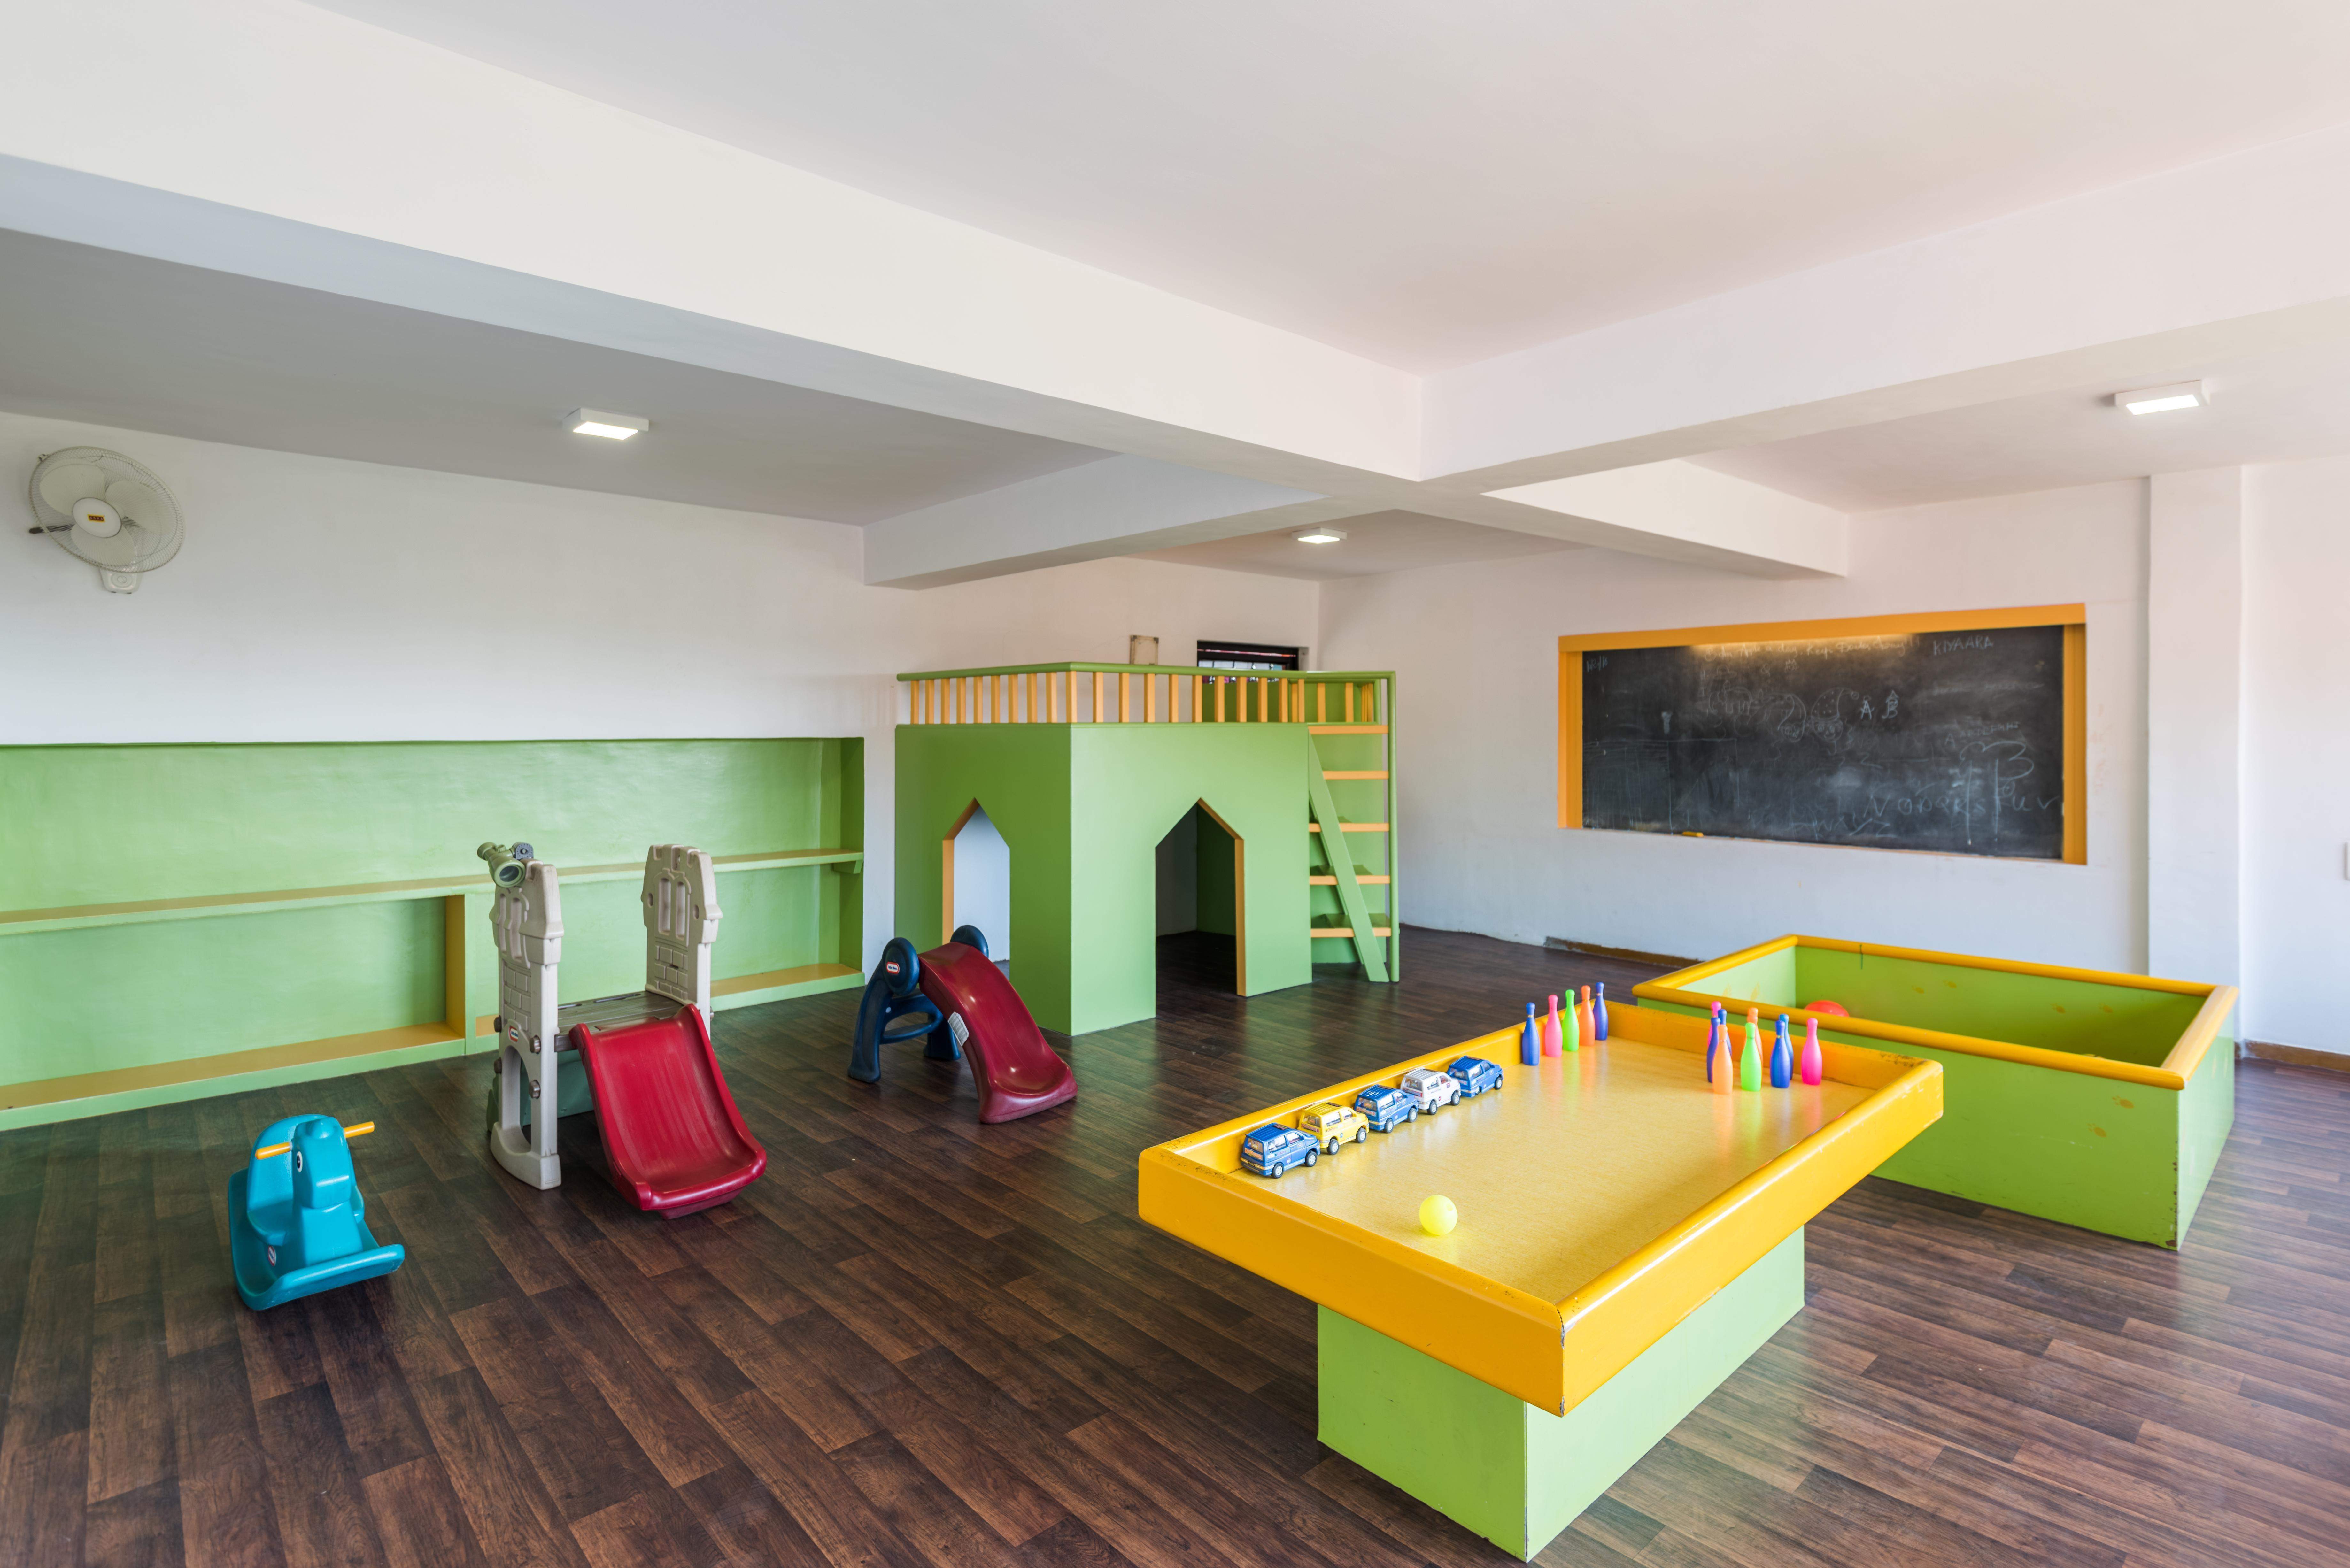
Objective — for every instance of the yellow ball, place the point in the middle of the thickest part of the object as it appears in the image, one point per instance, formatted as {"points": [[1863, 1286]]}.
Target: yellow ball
{"points": [[1437, 1215]]}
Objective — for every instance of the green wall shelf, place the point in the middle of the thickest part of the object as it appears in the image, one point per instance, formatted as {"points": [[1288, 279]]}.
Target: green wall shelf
{"points": [[191, 946]]}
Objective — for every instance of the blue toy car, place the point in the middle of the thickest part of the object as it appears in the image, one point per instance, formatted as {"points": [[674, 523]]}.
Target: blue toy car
{"points": [[1476, 1075], [1386, 1108], [1275, 1150]]}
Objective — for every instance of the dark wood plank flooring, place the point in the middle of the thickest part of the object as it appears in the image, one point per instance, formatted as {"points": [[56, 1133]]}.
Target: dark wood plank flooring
{"points": [[919, 1341]]}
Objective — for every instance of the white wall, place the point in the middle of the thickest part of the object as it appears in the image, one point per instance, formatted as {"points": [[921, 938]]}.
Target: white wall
{"points": [[983, 884], [1475, 648], [323, 599], [2194, 726], [320, 599], [2296, 753]]}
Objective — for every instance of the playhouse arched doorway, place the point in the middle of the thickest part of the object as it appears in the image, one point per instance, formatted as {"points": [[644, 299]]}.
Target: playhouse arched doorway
{"points": [[1201, 910], [976, 868]]}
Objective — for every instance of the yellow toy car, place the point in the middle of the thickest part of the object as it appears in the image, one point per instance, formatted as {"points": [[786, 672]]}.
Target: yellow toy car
{"points": [[1331, 1124]]}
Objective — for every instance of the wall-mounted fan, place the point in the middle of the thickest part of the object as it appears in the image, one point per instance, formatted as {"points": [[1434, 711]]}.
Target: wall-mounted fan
{"points": [[104, 509]]}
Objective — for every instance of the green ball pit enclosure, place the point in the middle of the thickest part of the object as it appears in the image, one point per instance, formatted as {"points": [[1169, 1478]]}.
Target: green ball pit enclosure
{"points": [[2089, 1097]]}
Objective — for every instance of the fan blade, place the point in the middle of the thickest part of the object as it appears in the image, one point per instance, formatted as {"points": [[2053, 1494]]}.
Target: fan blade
{"points": [[67, 482], [141, 504], [116, 552]]}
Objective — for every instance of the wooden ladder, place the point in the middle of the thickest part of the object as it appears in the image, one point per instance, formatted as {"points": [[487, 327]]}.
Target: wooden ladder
{"points": [[1374, 944]]}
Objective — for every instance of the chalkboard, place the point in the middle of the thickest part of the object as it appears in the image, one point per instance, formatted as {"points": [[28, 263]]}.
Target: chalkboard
{"points": [[1947, 741]]}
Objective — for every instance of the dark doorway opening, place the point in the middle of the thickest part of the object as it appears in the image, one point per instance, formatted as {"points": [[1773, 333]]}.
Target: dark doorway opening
{"points": [[1200, 906]]}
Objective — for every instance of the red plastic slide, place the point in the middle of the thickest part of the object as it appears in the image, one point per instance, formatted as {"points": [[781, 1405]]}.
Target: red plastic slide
{"points": [[1017, 1074], [675, 1141]]}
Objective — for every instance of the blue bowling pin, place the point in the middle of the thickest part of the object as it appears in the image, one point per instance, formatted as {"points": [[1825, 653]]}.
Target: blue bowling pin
{"points": [[1599, 1014], [1529, 1043], [1783, 1057]]}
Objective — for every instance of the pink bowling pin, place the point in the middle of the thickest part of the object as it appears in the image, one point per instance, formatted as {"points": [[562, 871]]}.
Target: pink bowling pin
{"points": [[1811, 1051], [1550, 1034]]}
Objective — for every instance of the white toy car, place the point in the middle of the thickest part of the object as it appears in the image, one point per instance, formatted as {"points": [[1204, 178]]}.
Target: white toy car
{"points": [[1429, 1087]]}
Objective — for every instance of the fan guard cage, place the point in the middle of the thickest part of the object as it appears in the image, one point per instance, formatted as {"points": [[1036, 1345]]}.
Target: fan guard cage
{"points": [[150, 530]]}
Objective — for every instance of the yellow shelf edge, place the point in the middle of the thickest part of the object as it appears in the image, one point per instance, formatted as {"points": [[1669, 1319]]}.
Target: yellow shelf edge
{"points": [[73, 916]]}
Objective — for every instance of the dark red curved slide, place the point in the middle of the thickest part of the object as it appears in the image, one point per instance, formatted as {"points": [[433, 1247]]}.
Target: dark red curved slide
{"points": [[1017, 1074], [675, 1141]]}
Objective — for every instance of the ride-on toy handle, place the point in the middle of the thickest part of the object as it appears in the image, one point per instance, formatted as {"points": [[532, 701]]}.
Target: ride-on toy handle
{"points": [[351, 1130]]}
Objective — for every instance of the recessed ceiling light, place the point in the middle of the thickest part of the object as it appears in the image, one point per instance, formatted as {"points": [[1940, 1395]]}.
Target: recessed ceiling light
{"points": [[610, 426], [2163, 399], [1319, 537]]}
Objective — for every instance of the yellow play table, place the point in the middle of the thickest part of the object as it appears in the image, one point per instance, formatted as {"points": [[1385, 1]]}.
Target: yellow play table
{"points": [[1627, 1238]]}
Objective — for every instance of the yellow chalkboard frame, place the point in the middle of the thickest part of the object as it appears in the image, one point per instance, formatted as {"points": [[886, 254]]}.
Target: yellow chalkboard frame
{"points": [[2073, 618]]}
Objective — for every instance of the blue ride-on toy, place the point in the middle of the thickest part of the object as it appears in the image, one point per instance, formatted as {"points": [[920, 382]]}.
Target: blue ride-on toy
{"points": [[297, 1224]]}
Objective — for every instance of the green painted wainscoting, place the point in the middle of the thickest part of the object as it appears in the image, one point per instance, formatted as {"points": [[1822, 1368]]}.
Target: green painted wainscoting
{"points": [[188, 920], [1082, 808]]}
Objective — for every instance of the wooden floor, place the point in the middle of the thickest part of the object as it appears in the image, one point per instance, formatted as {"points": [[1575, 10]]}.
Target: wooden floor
{"points": [[921, 1341]]}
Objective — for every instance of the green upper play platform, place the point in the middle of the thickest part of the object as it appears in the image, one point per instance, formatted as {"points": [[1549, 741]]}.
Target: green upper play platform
{"points": [[1085, 768]]}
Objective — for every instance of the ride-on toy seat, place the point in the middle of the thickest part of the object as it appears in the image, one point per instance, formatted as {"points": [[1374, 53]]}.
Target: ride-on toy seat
{"points": [[297, 1224]]}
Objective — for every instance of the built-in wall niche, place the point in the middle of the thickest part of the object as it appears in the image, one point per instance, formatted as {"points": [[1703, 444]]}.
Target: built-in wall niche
{"points": [[296, 911]]}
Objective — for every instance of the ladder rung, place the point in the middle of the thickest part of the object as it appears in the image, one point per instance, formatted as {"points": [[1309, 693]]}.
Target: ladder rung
{"points": [[1320, 932], [1356, 773], [1351, 827], [1346, 729], [1365, 878]]}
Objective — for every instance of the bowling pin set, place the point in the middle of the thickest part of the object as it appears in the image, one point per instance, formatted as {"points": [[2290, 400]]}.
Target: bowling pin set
{"points": [[1727, 1069], [1586, 1018]]}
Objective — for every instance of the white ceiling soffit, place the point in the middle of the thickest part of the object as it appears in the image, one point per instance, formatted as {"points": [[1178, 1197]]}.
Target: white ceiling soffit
{"points": [[122, 340], [1431, 185], [1375, 543], [2271, 407]]}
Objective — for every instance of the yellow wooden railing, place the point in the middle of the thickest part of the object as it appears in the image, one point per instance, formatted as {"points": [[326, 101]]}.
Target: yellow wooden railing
{"points": [[1146, 694], [1353, 709]]}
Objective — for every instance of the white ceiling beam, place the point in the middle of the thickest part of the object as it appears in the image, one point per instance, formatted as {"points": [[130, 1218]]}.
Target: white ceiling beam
{"points": [[285, 141], [1119, 507], [1122, 506], [1717, 520], [2235, 256]]}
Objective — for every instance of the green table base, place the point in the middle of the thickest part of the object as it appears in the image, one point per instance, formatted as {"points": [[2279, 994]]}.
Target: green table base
{"points": [[1517, 1475]]}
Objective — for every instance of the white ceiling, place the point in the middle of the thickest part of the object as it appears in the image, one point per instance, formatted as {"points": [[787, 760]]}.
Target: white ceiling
{"points": [[1431, 184], [116, 339], [2294, 403], [1375, 543]]}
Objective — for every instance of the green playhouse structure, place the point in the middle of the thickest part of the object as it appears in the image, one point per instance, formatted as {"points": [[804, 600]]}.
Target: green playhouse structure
{"points": [[1085, 768]]}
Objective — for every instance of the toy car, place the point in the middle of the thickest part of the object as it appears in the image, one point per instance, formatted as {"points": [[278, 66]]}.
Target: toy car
{"points": [[1430, 1088], [1331, 1124], [1387, 1109], [1274, 1150], [1476, 1075]]}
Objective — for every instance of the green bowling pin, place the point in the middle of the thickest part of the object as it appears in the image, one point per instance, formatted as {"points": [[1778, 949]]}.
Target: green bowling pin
{"points": [[1750, 1060]]}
